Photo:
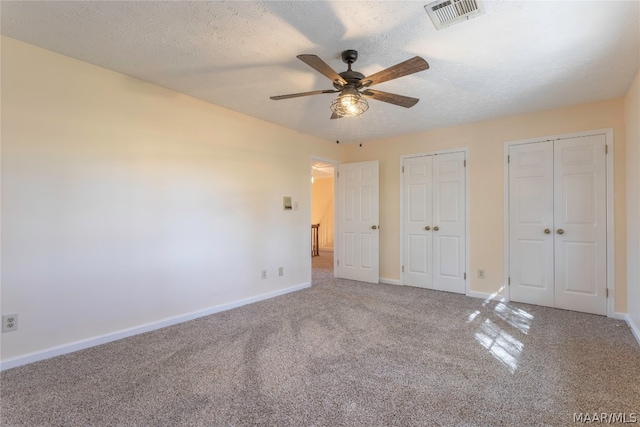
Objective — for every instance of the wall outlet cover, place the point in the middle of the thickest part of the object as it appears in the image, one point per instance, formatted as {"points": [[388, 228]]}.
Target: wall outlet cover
{"points": [[9, 323]]}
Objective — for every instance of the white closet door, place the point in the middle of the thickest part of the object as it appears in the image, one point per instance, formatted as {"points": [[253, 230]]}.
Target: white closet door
{"points": [[580, 222], [358, 211], [418, 254], [449, 226], [531, 223]]}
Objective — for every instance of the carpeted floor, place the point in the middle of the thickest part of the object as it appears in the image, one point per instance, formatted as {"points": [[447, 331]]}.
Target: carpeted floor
{"points": [[343, 353]]}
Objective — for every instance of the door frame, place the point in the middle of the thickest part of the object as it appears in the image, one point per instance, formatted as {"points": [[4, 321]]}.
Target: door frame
{"points": [[335, 164], [609, 161], [465, 150]]}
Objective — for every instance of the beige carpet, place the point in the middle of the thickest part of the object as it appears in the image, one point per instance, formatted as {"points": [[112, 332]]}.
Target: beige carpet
{"points": [[342, 353]]}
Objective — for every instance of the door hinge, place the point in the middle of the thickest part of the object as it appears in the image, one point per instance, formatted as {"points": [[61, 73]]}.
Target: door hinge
{"points": [[464, 163], [508, 159], [338, 261], [403, 169], [607, 292], [606, 149], [465, 276], [403, 268], [509, 281], [338, 174]]}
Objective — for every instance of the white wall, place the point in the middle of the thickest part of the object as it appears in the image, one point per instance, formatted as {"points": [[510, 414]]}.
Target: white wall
{"points": [[632, 122], [124, 203]]}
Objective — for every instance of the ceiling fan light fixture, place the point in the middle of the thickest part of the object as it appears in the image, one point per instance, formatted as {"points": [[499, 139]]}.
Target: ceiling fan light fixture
{"points": [[349, 104]]}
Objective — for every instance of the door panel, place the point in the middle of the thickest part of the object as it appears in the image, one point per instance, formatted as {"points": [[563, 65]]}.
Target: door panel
{"points": [[532, 272], [358, 210], [448, 249], [418, 253], [580, 212], [449, 199], [531, 213]]}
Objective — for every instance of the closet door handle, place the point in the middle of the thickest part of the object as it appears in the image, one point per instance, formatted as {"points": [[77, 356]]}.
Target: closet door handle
{"points": [[436, 228], [427, 228], [560, 231], [547, 231]]}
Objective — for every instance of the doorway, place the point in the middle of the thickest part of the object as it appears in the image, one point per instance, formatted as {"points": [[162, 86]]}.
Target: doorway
{"points": [[322, 219]]}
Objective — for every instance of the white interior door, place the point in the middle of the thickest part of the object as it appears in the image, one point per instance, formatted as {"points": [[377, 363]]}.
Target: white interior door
{"points": [[580, 219], [358, 221], [418, 222], [449, 227], [558, 220], [531, 223], [434, 222]]}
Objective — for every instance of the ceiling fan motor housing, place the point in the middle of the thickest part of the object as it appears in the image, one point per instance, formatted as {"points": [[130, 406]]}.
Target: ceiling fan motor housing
{"points": [[349, 56]]}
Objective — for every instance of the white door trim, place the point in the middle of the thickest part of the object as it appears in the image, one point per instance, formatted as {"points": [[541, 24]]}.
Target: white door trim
{"points": [[608, 132], [465, 150]]}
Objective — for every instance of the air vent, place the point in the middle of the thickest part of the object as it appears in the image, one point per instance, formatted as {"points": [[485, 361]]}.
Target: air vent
{"points": [[444, 13]]}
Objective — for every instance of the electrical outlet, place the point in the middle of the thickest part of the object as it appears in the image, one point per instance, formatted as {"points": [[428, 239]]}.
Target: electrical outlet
{"points": [[281, 271], [264, 274], [10, 323], [480, 273]]}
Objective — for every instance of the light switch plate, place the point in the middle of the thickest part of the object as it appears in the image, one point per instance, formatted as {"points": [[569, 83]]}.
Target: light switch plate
{"points": [[286, 203]]}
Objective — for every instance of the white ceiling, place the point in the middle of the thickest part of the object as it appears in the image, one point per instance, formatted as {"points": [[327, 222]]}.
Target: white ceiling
{"points": [[520, 56]]}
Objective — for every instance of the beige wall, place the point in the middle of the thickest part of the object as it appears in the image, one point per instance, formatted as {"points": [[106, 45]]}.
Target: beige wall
{"points": [[125, 204], [485, 141], [632, 121], [322, 211]]}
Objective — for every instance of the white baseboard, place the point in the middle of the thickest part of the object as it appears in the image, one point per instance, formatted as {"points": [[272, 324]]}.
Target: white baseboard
{"points": [[328, 248], [114, 336], [481, 295], [389, 281], [618, 316], [635, 329]]}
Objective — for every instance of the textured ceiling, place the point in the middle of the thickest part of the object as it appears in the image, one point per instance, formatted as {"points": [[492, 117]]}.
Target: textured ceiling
{"points": [[520, 56]]}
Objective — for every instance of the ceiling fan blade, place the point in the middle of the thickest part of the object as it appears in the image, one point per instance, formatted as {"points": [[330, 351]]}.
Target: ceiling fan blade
{"points": [[335, 116], [391, 98], [320, 66], [296, 95], [402, 69]]}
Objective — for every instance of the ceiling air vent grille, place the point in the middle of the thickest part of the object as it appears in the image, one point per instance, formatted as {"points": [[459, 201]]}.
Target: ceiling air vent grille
{"points": [[444, 13]]}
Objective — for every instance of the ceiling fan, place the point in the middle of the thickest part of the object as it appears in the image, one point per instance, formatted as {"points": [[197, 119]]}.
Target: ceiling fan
{"points": [[354, 86]]}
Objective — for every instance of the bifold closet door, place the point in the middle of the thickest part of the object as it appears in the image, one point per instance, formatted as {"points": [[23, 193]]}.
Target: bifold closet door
{"points": [[434, 222], [581, 224], [418, 222], [449, 225], [557, 230], [531, 223]]}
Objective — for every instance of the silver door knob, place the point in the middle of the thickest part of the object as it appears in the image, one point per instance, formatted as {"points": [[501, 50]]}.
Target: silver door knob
{"points": [[560, 231], [547, 231], [427, 228], [436, 228], [374, 227]]}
